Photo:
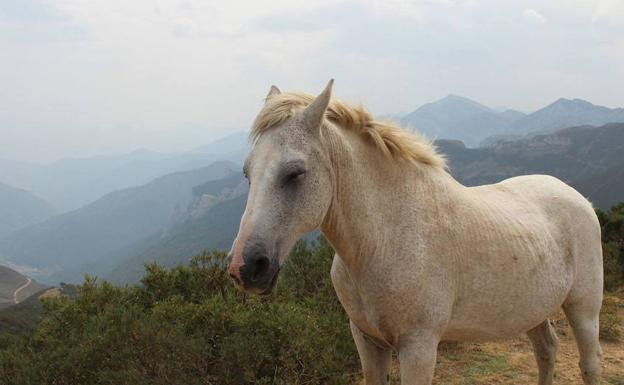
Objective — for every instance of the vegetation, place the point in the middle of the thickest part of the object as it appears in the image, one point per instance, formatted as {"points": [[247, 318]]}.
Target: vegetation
{"points": [[23, 316], [612, 223], [188, 325]]}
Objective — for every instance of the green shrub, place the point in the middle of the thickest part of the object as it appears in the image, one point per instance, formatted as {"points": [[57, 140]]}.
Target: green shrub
{"points": [[612, 224], [188, 325], [613, 266]]}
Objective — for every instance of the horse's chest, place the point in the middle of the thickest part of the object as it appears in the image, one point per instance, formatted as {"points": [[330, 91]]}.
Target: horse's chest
{"points": [[365, 305], [368, 316]]}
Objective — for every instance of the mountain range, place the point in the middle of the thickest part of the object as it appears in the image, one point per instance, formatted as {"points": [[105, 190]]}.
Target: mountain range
{"points": [[565, 113], [589, 158], [167, 216], [67, 245], [456, 117], [71, 183]]}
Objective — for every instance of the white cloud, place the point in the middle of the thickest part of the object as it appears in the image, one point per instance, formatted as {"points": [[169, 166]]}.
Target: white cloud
{"points": [[184, 27], [121, 74], [533, 16], [610, 12]]}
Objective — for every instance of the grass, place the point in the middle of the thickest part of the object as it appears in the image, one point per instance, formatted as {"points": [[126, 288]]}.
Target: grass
{"points": [[484, 364], [610, 322], [468, 364], [484, 368], [613, 380]]}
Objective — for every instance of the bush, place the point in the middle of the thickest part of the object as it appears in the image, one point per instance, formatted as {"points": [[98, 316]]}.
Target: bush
{"points": [[188, 325], [612, 224], [610, 322]]}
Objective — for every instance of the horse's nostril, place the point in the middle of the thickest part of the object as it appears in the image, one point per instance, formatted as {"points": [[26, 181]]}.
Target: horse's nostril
{"points": [[260, 268]]}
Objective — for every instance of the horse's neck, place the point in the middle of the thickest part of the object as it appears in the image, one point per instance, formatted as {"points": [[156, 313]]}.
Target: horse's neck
{"points": [[374, 195]]}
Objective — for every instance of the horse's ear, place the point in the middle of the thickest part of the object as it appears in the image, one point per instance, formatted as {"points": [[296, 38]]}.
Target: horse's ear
{"points": [[273, 91], [314, 113]]}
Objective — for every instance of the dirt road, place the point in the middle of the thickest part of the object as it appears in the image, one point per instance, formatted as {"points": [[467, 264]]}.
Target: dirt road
{"points": [[16, 292]]}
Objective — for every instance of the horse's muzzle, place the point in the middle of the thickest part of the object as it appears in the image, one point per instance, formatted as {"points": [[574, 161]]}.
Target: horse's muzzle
{"points": [[258, 274]]}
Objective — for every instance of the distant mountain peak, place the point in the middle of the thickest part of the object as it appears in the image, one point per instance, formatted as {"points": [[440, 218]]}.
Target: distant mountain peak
{"points": [[461, 99], [453, 101], [575, 101], [454, 96], [564, 113], [456, 117], [576, 104]]}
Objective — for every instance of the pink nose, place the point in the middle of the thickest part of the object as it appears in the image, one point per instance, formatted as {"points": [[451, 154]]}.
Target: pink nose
{"points": [[234, 270]]}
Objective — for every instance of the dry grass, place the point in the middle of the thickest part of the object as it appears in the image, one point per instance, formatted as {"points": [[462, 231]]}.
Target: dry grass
{"points": [[51, 293], [512, 363]]}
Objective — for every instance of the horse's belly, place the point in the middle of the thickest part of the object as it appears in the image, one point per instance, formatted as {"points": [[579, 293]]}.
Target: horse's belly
{"points": [[501, 307]]}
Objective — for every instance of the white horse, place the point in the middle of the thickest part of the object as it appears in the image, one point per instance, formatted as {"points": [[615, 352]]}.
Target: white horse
{"points": [[420, 257]]}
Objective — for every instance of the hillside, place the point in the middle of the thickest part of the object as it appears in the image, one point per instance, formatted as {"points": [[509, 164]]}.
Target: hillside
{"points": [[25, 315], [605, 188], [456, 117], [70, 241], [71, 183], [589, 158], [15, 287], [19, 208], [205, 227]]}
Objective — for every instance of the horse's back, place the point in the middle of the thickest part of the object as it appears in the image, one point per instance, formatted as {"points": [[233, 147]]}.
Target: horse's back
{"points": [[570, 214], [559, 208], [548, 199], [550, 193]]}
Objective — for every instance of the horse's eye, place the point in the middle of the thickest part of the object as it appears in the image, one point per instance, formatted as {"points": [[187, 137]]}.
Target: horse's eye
{"points": [[293, 176]]}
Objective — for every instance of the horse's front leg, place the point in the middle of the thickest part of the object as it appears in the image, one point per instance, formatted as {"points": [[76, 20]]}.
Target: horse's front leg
{"points": [[375, 359], [417, 356]]}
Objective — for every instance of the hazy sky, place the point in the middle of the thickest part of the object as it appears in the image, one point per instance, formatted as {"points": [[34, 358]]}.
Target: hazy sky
{"points": [[83, 77]]}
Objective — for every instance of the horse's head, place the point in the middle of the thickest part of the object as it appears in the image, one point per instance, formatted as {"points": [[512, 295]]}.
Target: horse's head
{"points": [[290, 190]]}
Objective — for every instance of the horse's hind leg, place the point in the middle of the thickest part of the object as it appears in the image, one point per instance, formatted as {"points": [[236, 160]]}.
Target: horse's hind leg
{"points": [[545, 344], [583, 318]]}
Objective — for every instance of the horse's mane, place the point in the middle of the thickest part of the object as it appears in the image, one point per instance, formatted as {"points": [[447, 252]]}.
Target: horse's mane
{"points": [[393, 141]]}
